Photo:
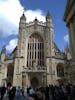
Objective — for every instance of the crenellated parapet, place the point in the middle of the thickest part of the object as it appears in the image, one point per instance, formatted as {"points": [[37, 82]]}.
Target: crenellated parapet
{"points": [[35, 25], [38, 23]]}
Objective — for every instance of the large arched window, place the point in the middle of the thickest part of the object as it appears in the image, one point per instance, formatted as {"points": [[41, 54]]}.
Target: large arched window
{"points": [[60, 70], [35, 55]]}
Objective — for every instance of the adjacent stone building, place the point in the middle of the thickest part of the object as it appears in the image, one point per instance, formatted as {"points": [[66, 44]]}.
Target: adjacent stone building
{"points": [[69, 18], [36, 60]]}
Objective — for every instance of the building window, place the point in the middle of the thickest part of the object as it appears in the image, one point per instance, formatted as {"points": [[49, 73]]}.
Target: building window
{"points": [[35, 54], [28, 46], [60, 71], [35, 46], [30, 54], [35, 50]]}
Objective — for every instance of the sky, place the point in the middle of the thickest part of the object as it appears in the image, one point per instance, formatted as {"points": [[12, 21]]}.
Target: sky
{"points": [[11, 11]]}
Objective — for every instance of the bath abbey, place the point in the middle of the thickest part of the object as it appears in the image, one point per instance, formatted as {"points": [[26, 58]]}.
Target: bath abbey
{"points": [[37, 60]]}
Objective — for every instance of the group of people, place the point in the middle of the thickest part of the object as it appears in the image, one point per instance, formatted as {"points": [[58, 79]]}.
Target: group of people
{"points": [[7, 92], [62, 92], [50, 92]]}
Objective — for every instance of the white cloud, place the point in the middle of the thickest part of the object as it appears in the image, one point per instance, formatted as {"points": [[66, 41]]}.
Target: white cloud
{"points": [[66, 38], [10, 12], [12, 44], [30, 15], [11, 9], [7, 28]]}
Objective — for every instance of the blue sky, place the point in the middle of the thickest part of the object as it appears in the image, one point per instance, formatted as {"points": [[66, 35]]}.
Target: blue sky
{"points": [[11, 10]]}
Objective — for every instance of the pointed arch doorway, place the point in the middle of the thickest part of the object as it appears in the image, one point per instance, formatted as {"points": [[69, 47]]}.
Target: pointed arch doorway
{"points": [[34, 82]]}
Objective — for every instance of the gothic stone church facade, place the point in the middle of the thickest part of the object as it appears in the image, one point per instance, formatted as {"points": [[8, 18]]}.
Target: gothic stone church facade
{"points": [[36, 60]]}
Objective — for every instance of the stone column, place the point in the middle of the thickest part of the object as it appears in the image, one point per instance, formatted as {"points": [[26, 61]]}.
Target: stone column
{"points": [[49, 71], [23, 80], [44, 79], [27, 80], [17, 77], [72, 39]]}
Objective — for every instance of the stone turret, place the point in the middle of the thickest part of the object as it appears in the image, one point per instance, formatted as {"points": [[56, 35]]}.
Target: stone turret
{"points": [[48, 16], [22, 21], [22, 31], [49, 20], [49, 35], [3, 53], [68, 53]]}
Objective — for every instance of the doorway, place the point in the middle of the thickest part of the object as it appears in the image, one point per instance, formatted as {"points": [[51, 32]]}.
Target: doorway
{"points": [[34, 82]]}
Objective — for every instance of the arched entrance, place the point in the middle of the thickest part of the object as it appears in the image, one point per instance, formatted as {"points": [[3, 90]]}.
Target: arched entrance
{"points": [[60, 70], [10, 70], [60, 73], [34, 82]]}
